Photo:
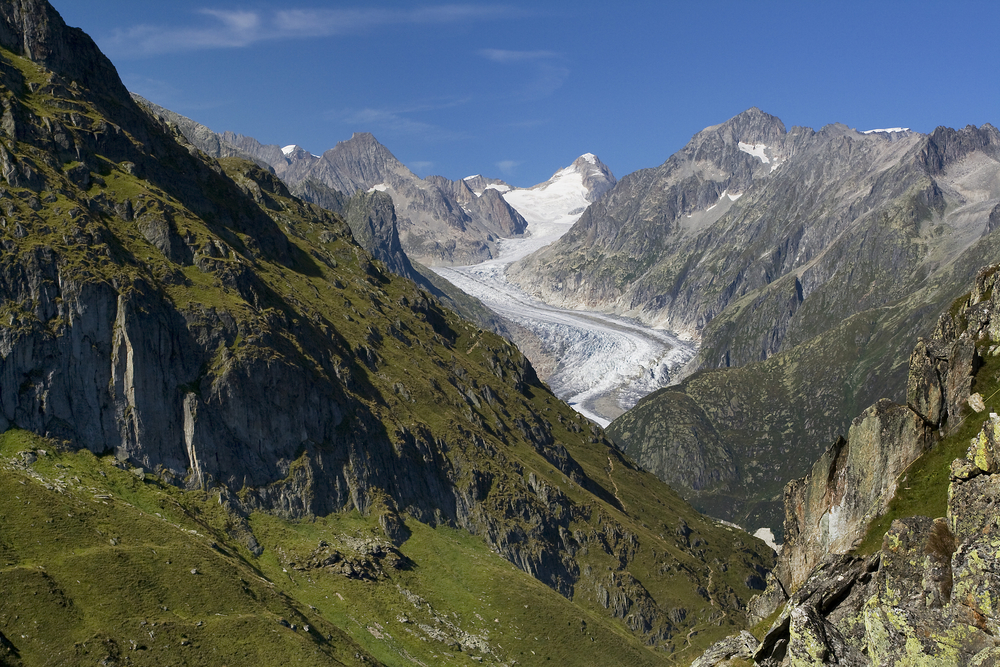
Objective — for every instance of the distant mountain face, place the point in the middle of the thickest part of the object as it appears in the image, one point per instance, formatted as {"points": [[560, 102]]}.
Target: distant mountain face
{"points": [[562, 198], [806, 260], [440, 221], [743, 204]]}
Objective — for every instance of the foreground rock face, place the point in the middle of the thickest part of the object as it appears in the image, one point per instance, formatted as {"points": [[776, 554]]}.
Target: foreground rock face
{"points": [[829, 510], [852, 483], [929, 595]]}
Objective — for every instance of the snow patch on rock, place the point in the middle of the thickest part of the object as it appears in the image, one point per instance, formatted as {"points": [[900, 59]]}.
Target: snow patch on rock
{"points": [[888, 130], [757, 150]]}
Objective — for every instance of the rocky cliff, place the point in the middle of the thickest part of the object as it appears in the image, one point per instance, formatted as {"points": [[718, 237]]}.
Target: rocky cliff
{"points": [[863, 579], [190, 319]]}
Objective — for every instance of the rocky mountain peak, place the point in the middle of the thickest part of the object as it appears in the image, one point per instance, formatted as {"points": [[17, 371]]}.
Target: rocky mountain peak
{"points": [[946, 145], [35, 30], [597, 177], [753, 126]]}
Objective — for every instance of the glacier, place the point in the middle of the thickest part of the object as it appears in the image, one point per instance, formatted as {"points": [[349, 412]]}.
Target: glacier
{"points": [[605, 363]]}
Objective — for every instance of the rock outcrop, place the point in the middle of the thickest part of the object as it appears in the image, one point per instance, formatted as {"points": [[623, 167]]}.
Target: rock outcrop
{"points": [[928, 595], [829, 510]]}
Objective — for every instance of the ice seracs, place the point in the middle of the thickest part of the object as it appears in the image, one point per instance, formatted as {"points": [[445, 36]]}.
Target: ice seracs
{"points": [[606, 363]]}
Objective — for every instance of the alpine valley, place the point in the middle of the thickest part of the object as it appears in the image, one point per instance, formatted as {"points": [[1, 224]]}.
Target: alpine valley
{"points": [[253, 409]]}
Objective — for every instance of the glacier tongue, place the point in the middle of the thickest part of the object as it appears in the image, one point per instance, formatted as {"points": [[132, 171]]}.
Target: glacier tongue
{"points": [[606, 363]]}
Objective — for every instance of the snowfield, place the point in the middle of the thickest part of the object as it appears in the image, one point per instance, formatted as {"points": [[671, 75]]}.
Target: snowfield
{"points": [[606, 363]]}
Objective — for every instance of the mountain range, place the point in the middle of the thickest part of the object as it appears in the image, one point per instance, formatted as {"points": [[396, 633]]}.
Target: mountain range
{"points": [[238, 425], [804, 261]]}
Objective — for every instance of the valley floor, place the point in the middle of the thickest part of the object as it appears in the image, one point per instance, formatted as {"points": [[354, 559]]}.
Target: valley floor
{"points": [[603, 364]]}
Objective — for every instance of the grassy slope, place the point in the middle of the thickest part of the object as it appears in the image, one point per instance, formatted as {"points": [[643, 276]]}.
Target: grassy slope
{"points": [[97, 562]]}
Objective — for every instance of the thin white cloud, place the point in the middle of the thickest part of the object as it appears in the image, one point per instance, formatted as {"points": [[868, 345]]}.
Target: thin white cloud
{"points": [[507, 167], [392, 123], [504, 56], [403, 120], [546, 66], [222, 29], [421, 167]]}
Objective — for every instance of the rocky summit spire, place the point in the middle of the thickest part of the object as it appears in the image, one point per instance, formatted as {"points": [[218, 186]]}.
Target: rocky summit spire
{"points": [[35, 30]]}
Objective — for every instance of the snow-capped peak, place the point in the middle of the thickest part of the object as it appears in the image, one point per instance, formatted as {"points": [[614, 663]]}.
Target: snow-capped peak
{"points": [[469, 178], [887, 130], [553, 206], [289, 149]]}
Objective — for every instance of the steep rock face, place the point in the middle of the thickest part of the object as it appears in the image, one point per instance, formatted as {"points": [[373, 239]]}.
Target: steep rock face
{"points": [[829, 510], [435, 226], [34, 30], [928, 595], [486, 205], [755, 238]]}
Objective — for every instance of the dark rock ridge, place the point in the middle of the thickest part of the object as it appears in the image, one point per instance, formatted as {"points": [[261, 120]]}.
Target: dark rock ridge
{"points": [[806, 290], [34, 30], [191, 317], [204, 139], [928, 595], [448, 222], [371, 216]]}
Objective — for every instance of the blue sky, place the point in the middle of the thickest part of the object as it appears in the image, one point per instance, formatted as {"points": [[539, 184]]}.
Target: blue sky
{"points": [[517, 90]]}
